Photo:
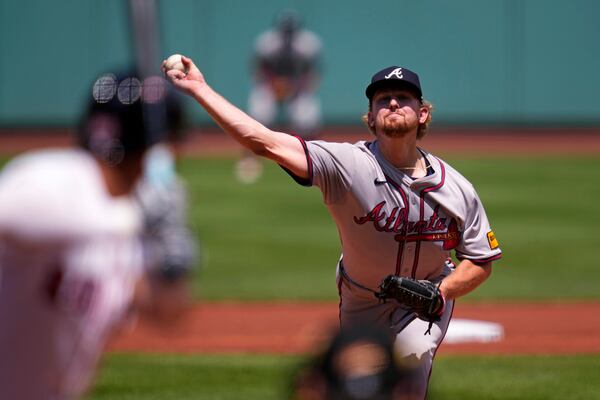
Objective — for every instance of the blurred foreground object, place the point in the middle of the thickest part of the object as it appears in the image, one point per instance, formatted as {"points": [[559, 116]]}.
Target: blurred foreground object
{"points": [[71, 252], [359, 363]]}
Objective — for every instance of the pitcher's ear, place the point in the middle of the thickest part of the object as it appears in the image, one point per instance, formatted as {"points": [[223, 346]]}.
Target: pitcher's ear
{"points": [[370, 119], [423, 114]]}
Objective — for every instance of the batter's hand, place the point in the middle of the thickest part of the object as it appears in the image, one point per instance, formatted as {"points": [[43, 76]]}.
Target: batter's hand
{"points": [[184, 82]]}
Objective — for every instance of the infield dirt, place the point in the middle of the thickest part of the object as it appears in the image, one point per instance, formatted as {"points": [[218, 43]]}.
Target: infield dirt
{"points": [[292, 328]]}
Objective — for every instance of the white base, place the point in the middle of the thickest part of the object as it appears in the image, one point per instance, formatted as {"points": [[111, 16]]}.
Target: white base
{"points": [[468, 331]]}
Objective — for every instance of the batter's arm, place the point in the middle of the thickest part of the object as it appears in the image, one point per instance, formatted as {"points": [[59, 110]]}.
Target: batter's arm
{"points": [[465, 278], [280, 147]]}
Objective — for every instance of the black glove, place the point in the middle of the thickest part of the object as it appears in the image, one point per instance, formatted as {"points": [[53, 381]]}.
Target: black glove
{"points": [[419, 296]]}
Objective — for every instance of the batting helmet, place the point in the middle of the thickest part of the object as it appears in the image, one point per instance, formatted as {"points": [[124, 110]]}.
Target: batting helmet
{"points": [[126, 115]]}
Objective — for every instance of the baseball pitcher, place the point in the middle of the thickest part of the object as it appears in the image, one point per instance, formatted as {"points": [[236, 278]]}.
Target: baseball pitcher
{"points": [[400, 212]]}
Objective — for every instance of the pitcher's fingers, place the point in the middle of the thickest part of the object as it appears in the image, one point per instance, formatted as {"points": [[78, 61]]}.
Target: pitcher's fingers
{"points": [[175, 74], [187, 62]]}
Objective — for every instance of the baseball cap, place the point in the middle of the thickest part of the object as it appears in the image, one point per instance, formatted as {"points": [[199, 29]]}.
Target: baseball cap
{"points": [[394, 75]]}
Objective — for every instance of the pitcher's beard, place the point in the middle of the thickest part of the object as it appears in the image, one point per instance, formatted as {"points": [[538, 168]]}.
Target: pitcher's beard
{"points": [[395, 128]]}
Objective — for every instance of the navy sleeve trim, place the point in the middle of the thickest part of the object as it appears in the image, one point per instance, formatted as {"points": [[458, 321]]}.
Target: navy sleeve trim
{"points": [[302, 181], [480, 260]]}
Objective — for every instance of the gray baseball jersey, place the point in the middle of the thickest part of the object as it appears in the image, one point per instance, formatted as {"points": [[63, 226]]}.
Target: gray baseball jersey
{"points": [[390, 223]]}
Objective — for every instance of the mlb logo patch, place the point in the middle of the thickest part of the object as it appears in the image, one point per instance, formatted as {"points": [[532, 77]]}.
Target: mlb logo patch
{"points": [[493, 242]]}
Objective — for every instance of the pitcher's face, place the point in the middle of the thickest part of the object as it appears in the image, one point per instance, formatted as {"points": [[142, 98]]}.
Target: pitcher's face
{"points": [[396, 112]]}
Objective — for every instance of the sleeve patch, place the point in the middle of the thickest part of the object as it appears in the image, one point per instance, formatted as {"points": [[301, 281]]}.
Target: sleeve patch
{"points": [[492, 241]]}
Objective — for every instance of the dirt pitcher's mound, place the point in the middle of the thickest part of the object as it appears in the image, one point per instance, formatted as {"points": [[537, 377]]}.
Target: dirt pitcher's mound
{"points": [[293, 328]]}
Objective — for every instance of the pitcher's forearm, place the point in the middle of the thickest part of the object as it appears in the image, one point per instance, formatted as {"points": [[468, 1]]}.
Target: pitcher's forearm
{"points": [[239, 125], [466, 278]]}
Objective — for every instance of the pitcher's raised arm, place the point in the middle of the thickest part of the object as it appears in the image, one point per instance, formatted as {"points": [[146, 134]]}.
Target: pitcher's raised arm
{"points": [[280, 147]]}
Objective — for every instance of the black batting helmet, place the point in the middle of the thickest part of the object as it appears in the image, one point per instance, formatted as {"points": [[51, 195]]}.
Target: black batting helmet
{"points": [[127, 114]]}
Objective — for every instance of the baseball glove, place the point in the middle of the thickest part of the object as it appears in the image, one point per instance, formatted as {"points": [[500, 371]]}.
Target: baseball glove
{"points": [[419, 296]]}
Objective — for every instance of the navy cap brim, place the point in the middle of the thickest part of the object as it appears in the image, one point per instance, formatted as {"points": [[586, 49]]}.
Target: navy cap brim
{"points": [[378, 85]]}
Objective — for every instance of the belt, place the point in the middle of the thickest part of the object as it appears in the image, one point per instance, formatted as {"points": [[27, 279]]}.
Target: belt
{"points": [[345, 276]]}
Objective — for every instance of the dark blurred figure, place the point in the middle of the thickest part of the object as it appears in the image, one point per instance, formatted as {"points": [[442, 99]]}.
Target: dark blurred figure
{"points": [[171, 249], [72, 260], [286, 66], [358, 364]]}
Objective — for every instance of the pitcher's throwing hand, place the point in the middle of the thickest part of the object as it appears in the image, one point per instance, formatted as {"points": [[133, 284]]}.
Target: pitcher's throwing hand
{"points": [[180, 79]]}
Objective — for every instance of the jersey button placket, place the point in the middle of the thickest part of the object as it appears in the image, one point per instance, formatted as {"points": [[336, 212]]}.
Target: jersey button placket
{"points": [[413, 199], [414, 246]]}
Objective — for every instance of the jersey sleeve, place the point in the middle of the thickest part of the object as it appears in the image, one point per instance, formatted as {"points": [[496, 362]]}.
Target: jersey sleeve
{"points": [[478, 243], [330, 168]]}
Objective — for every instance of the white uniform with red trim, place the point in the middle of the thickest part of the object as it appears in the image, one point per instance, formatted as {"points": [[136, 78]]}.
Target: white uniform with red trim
{"points": [[390, 223], [69, 260]]}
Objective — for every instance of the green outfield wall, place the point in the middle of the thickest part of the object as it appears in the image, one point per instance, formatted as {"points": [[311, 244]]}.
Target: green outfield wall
{"points": [[480, 61]]}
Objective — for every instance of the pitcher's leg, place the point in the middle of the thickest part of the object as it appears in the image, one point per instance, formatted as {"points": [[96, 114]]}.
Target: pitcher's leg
{"points": [[418, 350]]}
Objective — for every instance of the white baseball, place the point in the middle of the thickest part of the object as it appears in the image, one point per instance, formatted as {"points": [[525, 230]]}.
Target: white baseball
{"points": [[174, 62]]}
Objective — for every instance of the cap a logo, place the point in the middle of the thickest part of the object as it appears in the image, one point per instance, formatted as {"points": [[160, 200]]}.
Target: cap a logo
{"points": [[397, 73]]}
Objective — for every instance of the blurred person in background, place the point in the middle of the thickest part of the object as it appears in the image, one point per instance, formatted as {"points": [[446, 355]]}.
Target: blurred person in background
{"points": [[171, 249], [72, 259], [286, 69]]}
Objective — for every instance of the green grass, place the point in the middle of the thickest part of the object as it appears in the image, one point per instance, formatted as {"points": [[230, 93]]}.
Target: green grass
{"points": [[249, 377], [164, 377], [516, 378], [544, 212], [275, 240], [270, 240]]}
